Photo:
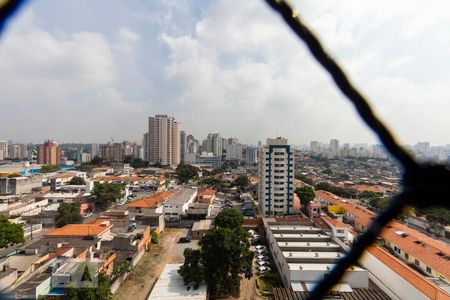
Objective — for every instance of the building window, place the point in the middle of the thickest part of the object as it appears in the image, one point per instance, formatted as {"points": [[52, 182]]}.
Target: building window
{"points": [[406, 256], [428, 270], [416, 262], [340, 231], [397, 250]]}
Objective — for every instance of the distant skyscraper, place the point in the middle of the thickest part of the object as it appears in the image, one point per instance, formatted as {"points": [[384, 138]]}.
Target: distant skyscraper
{"points": [[334, 145], [276, 173], [163, 140], [234, 152], [314, 146], [95, 150], [18, 151], [49, 153], [214, 144], [251, 155], [182, 145], [3, 149], [191, 144]]}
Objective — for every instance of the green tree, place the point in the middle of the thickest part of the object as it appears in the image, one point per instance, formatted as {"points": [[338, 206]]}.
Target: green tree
{"points": [[192, 269], [213, 182], [13, 175], [127, 159], [155, 238], [304, 179], [101, 292], [229, 218], [327, 171], [49, 168], [224, 255], [97, 160], [10, 233], [68, 213], [138, 163], [305, 194], [107, 193], [242, 182], [186, 172], [438, 217], [77, 181]]}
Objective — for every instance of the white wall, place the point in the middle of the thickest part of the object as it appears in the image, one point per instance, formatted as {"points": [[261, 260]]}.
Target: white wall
{"points": [[390, 282]]}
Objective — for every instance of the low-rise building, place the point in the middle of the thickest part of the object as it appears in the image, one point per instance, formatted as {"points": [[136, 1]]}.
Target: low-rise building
{"points": [[200, 228], [178, 203]]}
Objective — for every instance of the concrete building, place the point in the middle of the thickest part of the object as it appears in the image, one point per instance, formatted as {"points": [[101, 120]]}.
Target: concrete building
{"points": [[162, 143], [304, 254], [334, 145], [20, 185], [234, 152], [178, 203], [276, 171], [49, 153], [18, 151], [214, 144], [112, 152], [314, 146], [208, 158], [200, 228], [191, 144], [3, 149], [251, 155], [95, 150], [183, 145]]}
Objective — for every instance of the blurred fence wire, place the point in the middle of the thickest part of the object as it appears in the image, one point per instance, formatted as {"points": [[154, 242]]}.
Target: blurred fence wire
{"points": [[423, 184]]}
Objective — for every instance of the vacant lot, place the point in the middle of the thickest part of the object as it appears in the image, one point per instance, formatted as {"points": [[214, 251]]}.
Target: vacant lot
{"points": [[147, 271]]}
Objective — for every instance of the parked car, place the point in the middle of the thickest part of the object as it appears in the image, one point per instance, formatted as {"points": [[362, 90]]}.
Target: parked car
{"points": [[263, 269], [262, 263], [261, 257], [87, 215], [184, 239], [261, 247], [261, 251]]}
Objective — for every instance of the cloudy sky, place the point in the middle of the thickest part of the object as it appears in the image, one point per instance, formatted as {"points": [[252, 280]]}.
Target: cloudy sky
{"points": [[91, 70]]}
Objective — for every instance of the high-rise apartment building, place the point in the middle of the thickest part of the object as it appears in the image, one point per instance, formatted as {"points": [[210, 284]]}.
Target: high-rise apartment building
{"points": [[334, 145], [18, 151], [163, 140], [95, 150], [251, 155], [276, 173], [182, 146], [314, 146], [234, 152], [191, 144], [49, 153], [214, 144], [3, 149]]}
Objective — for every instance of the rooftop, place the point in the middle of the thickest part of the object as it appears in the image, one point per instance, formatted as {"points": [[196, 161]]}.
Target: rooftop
{"points": [[153, 200], [79, 230], [181, 196]]}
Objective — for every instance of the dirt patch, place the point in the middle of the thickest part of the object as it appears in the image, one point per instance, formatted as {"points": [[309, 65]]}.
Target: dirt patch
{"points": [[152, 264]]}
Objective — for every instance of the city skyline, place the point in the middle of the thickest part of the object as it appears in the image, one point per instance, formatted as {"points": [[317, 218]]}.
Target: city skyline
{"points": [[97, 78]]}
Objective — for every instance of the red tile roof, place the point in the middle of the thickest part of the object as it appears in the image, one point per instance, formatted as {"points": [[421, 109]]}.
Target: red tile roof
{"points": [[78, 230], [153, 200], [206, 192], [426, 252], [426, 287]]}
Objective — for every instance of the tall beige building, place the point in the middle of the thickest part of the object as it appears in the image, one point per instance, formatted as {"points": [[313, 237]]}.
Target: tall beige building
{"points": [[162, 142]]}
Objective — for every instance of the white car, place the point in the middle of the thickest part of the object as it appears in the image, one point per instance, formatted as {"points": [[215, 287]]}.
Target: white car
{"points": [[260, 247], [261, 251], [251, 231], [261, 263], [261, 257], [263, 269]]}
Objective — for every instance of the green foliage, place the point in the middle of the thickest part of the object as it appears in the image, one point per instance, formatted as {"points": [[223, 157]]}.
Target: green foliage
{"points": [[186, 172], [224, 255], [214, 183], [155, 238], [242, 182], [13, 175], [127, 159], [49, 168], [341, 192], [368, 195], [138, 163], [192, 270], [96, 160], [305, 194], [10, 233], [68, 213], [229, 218], [105, 193], [327, 171], [100, 292], [439, 217], [157, 165], [77, 181], [85, 167], [304, 179]]}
